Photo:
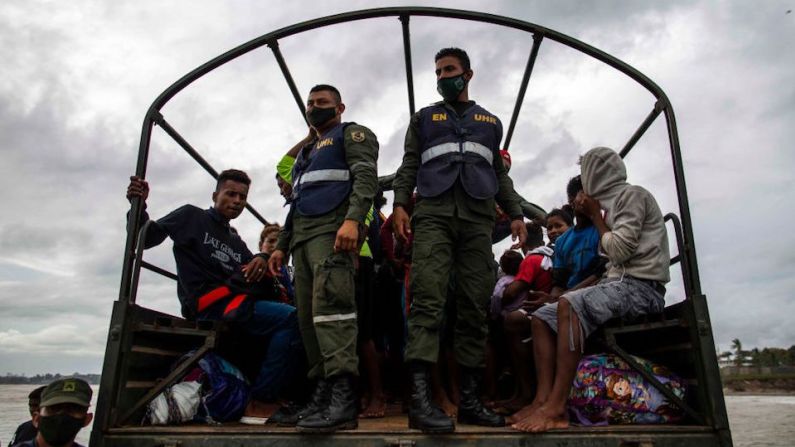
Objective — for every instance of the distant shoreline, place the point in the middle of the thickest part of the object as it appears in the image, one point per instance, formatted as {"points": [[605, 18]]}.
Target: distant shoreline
{"points": [[759, 384], [771, 392], [44, 379]]}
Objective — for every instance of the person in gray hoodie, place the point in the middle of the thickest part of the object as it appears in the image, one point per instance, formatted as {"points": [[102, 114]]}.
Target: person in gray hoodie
{"points": [[633, 237]]}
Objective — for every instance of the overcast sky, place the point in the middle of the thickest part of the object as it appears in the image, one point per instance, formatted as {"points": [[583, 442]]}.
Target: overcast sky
{"points": [[77, 78]]}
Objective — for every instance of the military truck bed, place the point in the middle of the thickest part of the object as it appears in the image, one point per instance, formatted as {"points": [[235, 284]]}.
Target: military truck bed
{"points": [[392, 430], [148, 351]]}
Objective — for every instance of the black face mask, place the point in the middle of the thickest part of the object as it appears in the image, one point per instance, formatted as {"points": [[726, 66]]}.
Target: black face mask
{"points": [[318, 116], [59, 429], [451, 87]]}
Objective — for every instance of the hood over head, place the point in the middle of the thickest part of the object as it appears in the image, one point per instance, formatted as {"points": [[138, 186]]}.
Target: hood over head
{"points": [[603, 171]]}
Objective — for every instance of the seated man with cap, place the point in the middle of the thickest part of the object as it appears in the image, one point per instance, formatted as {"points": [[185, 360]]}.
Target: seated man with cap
{"points": [[63, 411]]}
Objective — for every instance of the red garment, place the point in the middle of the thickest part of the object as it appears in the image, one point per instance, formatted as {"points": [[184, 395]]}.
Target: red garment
{"points": [[387, 239], [395, 250], [530, 272], [392, 247]]}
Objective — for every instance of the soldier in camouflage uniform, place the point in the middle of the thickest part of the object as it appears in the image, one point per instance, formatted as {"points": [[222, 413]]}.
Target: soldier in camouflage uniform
{"points": [[452, 157], [334, 182]]}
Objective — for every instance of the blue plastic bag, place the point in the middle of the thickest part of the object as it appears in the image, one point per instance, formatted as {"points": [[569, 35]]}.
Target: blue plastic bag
{"points": [[227, 389]]}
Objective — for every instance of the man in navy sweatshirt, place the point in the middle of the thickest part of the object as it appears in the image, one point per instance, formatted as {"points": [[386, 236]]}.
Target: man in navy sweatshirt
{"points": [[220, 279]]}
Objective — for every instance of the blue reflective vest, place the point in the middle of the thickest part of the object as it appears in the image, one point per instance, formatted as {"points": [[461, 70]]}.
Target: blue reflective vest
{"points": [[321, 179], [454, 147]]}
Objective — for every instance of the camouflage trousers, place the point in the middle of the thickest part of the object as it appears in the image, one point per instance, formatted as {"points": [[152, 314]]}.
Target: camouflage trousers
{"points": [[446, 249], [326, 305]]}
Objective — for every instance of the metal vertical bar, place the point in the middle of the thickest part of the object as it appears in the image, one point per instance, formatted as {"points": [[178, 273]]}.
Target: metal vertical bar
{"points": [[644, 126], [137, 205], [274, 45], [531, 61], [710, 387], [684, 204], [404, 20], [107, 397], [139, 256], [680, 257]]}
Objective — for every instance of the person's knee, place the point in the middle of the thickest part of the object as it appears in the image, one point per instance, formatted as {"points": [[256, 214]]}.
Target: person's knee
{"points": [[538, 325], [564, 308], [283, 317], [516, 322]]}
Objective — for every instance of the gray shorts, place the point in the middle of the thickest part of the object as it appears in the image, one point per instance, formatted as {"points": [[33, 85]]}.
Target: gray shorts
{"points": [[611, 298]]}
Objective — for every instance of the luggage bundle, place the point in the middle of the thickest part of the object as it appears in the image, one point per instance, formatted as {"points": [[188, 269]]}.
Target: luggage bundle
{"points": [[215, 391], [606, 390]]}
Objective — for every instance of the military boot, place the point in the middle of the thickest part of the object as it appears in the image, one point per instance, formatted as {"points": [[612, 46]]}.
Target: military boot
{"points": [[471, 411], [340, 414], [423, 414], [320, 400]]}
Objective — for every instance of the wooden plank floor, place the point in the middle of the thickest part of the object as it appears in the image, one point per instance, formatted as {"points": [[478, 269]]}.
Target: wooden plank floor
{"points": [[394, 422]]}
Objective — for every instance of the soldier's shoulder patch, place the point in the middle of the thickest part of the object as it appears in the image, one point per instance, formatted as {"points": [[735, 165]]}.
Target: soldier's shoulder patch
{"points": [[357, 136]]}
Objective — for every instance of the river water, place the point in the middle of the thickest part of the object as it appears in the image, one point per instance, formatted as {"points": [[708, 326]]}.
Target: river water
{"points": [[756, 421]]}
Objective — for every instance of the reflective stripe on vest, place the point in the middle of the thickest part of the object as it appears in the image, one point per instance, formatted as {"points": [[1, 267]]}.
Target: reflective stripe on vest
{"points": [[477, 148], [332, 318], [447, 148], [324, 175]]}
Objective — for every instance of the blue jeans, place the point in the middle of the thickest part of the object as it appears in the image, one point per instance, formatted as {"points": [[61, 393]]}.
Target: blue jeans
{"points": [[277, 323], [284, 350]]}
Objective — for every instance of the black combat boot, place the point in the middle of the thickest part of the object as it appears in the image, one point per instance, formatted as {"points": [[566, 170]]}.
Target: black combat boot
{"points": [[340, 414], [471, 411], [423, 414], [289, 417]]}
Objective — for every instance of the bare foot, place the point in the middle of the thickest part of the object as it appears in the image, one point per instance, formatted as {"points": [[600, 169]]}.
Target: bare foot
{"points": [[259, 409], [524, 412], [448, 407], [375, 408], [544, 419]]}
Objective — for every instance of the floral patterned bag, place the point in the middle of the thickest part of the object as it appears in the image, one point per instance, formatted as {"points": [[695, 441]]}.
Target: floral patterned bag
{"points": [[606, 390]]}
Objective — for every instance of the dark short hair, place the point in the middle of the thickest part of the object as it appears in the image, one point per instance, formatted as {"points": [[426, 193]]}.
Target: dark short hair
{"points": [[535, 235], [563, 214], [510, 261], [457, 53], [270, 228], [234, 175], [574, 186], [328, 88], [34, 398], [568, 209]]}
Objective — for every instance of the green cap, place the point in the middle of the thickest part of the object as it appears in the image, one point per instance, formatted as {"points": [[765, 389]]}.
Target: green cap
{"points": [[67, 391]]}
